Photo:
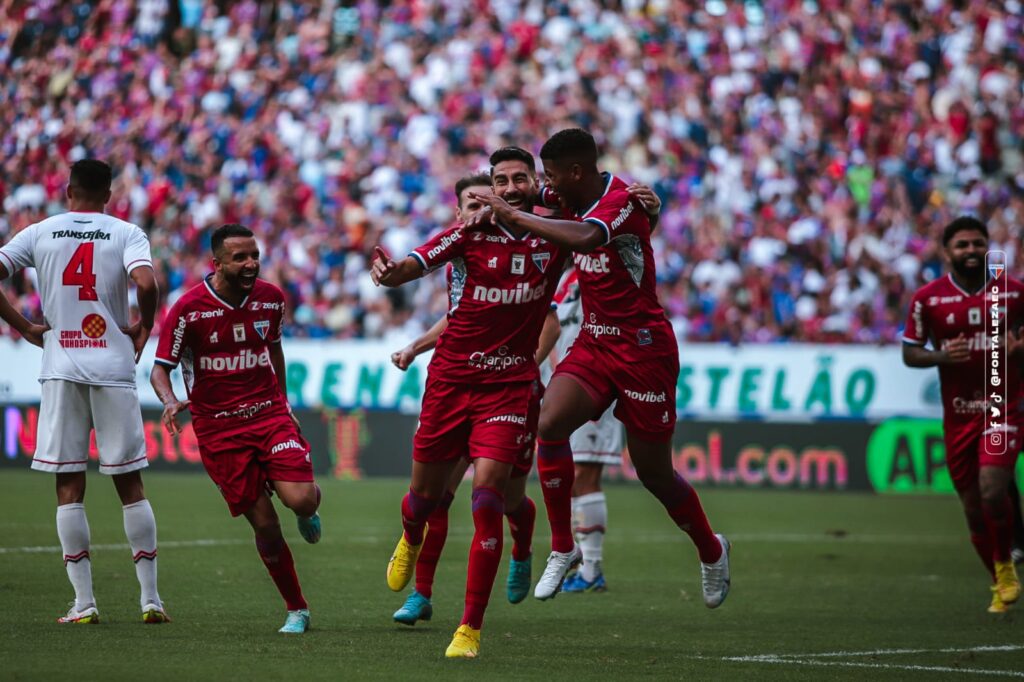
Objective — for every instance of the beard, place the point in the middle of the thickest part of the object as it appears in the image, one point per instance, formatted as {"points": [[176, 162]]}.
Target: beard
{"points": [[965, 271]]}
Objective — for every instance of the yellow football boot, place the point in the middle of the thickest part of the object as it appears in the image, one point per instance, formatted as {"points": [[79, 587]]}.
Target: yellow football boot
{"points": [[403, 563], [465, 643]]}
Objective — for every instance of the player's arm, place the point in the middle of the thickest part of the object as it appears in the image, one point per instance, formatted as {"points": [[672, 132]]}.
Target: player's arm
{"points": [[278, 363], [392, 273], [16, 255], [955, 351], [403, 358], [580, 237], [32, 332], [549, 334], [160, 379], [148, 293]]}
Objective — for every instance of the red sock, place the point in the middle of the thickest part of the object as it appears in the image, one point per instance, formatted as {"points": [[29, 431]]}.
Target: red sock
{"points": [[557, 473], [433, 545], [983, 546], [484, 553], [278, 560], [520, 525], [415, 511], [1000, 529], [683, 505]]}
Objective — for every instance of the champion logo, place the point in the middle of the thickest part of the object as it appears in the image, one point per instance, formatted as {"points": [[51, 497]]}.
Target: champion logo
{"points": [[553, 483]]}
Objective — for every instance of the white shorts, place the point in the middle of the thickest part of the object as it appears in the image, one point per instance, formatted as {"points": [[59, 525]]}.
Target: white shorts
{"points": [[599, 442], [68, 412]]}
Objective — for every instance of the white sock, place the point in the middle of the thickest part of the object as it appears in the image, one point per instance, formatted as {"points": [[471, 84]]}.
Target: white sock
{"points": [[140, 527], [73, 531], [590, 518]]}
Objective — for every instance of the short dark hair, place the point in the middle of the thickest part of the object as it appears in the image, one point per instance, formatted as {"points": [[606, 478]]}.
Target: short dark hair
{"points": [[92, 177], [513, 154], [572, 144], [472, 180], [225, 232], [963, 224]]}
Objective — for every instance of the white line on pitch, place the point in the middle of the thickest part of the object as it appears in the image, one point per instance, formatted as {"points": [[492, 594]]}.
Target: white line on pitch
{"points": [[887, 666], [886, 652]]}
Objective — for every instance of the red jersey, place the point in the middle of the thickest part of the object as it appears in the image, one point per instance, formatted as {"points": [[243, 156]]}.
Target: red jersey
{"points": [[224, 351], [500, 291], [621, 312], [939, 312]]}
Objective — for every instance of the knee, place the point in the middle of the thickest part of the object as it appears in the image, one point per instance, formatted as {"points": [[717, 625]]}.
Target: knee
{"points": [[306, 503], [267, 529], [551, 428]]}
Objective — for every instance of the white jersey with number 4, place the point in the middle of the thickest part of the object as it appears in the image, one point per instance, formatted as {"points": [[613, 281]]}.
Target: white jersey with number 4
{"points": [[83, 261]]}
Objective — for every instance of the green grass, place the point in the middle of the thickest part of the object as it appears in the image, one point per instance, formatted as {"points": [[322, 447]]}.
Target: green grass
{"points": [[811, 573]]}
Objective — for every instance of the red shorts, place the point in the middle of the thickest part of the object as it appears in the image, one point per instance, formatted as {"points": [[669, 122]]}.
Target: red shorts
{"points": [[968, 449], [496, 421], [241, 456], [646, 391]]}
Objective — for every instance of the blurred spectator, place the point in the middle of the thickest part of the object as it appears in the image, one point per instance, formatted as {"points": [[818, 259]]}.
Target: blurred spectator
{"points": [[807, 151]]}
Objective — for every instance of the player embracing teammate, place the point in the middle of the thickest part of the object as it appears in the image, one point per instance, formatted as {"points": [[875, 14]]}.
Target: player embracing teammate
{"points": [[626, 351], [981, 428]]}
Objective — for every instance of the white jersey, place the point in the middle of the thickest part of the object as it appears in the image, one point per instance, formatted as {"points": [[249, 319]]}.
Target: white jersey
{"points": [[83, 261], [568, 307]]}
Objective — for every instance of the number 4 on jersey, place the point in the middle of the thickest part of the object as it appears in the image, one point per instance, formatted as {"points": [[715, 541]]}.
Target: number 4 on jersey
{"points": [[79, 272]]}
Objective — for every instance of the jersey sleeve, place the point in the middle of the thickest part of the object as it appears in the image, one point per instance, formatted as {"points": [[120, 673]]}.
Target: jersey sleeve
{"points": [[618, 213], [19, 253], [136, 250], [916, 330], [441, 248], [173, 337]]}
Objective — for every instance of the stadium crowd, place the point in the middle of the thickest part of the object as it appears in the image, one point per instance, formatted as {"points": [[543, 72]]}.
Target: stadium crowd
{"points": [[807, 152]]}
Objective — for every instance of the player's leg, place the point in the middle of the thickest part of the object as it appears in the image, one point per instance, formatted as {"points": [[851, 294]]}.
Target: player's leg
{"points": [[417, 605], [277, 557], [62, 448], [122, 452], [285, 457], [490, 477], [140, 529], [995, 503], [521, 513], [567, 406], [590, 520], [426, 490], [303, 498], [1018, 523], [73, 532], [653, 462]]}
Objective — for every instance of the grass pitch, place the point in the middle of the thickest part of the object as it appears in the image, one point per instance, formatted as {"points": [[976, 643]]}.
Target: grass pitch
{"points": [[825, 586]]}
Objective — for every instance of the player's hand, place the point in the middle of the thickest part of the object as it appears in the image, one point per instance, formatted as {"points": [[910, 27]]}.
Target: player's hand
{"points": [[139, 336], [403, 358], [382, 266], [957, 350], [169, 417], [501, 211], [480, 220], [647, 197], [34, 334]]}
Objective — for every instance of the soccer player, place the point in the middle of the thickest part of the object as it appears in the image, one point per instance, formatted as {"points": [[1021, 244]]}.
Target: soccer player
{"points": [[85, 259], [626, 352], [226, 334], [520, 517], [950, 313], [482, 381], [594, 445]]}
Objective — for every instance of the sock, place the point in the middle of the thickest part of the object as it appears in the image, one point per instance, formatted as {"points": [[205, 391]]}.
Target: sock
{"points": [[73, 531], [589, 522], [1018, 519], [1000, 525], [278, 560], [415, 510], [140, 527], [557, 473], [433, 545], [983, 546], [484, 553], [683, 505], [520, 526]]}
